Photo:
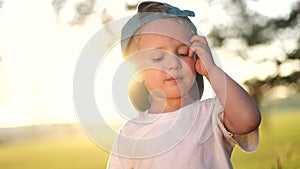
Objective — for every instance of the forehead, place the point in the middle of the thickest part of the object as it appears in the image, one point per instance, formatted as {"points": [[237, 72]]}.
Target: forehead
{"points": [[158, 41], [175, 28]]}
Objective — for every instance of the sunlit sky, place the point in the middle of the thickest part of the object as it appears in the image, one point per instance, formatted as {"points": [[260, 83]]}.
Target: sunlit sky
{"points": [[39, 51]]}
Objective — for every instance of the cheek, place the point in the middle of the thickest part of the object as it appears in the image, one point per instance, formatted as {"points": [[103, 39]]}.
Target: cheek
{"points": [[153, 79], [190, 65], [153, 76]]}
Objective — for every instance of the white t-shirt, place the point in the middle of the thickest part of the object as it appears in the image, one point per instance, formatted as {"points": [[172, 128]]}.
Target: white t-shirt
{"points": [[192, 137]]}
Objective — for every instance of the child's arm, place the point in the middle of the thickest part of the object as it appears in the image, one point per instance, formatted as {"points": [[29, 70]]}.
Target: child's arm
{"points": [[241, 113]]}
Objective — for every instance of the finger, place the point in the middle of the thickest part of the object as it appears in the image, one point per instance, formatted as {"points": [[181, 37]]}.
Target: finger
{"points": [[191, 52], [198, 47], [199, 42], [200, 39]]}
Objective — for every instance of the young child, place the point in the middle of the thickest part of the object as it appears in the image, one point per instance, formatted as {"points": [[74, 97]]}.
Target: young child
{"points": [[175, 130]]}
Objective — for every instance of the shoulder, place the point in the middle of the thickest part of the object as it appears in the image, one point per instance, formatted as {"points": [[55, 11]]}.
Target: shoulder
{"points": [[211, 105]]}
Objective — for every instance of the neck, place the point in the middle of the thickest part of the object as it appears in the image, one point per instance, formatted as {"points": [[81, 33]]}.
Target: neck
{"points": [[165, 105]]}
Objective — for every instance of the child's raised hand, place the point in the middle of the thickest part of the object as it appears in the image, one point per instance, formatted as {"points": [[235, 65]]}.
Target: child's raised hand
{"points": [[201, 49]]}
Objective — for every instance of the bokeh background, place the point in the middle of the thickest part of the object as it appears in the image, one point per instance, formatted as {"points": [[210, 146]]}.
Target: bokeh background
{"points": [[257, 41]]}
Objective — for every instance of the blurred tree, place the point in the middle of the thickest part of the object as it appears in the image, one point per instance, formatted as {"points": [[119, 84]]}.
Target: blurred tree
{"points": [[58, 5], [253, 30], [83, 9], [105, 17], [130, 6], [1, 4]]}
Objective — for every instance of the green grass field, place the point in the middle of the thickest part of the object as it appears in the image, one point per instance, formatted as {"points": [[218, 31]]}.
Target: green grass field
{"points": [[279, 146], [279, 149]]}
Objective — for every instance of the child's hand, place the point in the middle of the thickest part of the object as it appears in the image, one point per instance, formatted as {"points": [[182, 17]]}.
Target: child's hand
{"points": [[201, 49]]}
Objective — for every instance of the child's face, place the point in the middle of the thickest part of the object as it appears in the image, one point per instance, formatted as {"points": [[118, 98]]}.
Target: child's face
{"points": [[168, 63]]}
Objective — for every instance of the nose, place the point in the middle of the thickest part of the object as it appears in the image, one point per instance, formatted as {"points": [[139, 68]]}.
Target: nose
{"points": [[174, 62]]}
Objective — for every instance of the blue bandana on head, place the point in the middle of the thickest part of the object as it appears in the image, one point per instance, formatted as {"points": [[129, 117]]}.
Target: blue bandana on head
{"points": [[142, 18], [177, 12]]}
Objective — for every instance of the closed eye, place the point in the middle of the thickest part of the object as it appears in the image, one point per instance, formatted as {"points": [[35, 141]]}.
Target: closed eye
{"points": [[183, 51], [184, 54], [158, 59]]}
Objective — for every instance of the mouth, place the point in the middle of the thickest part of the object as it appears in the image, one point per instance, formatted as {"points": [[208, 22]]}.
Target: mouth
{"points": [[173, 79]]}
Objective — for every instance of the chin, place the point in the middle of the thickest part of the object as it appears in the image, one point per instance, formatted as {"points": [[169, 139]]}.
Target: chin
{"points": [[175, 95]]}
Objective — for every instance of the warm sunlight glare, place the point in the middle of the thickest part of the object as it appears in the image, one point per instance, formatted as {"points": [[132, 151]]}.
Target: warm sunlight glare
{"points": [[39, 51]]}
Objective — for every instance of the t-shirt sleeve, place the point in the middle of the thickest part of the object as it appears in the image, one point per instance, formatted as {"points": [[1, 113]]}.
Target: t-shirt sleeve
{"points": [[247, 142]]}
